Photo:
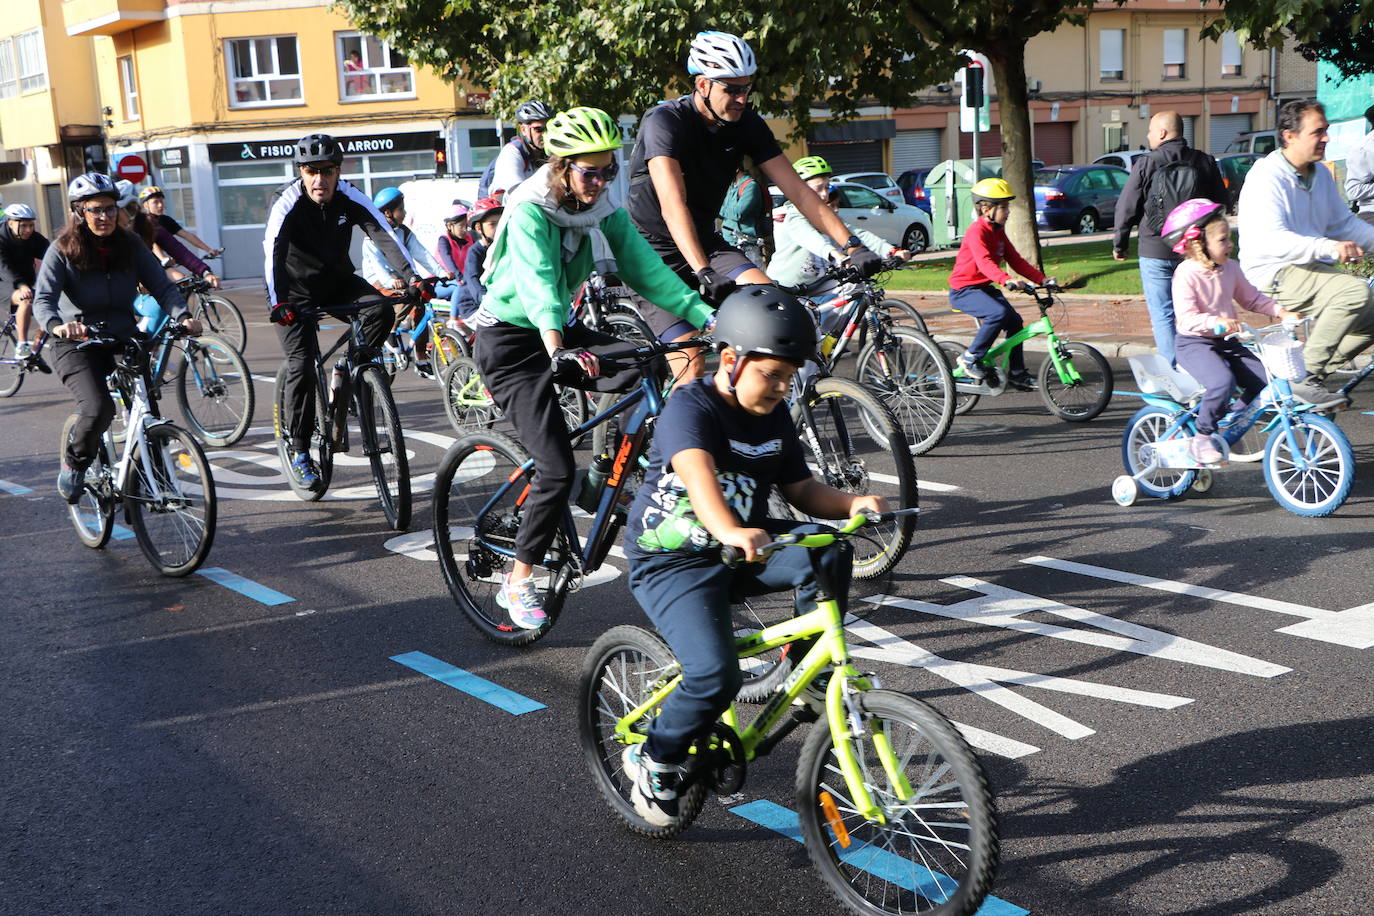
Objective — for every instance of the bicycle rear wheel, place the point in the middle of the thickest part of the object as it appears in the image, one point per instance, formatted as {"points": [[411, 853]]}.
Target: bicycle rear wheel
{"points": [[907, 370], [623, 668], [384, 444], [171, 504], [223, 318], [904, 311], [1078, 401], [321, 449], [11, 369], [476, 518], [214, 391], [93, 514], [763, 673], [963, 401], [860, 454], [936, 850], [1147, 427], [467, 403]]}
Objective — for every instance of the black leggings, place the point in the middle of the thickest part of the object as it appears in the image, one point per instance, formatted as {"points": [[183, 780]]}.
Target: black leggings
{"points": [[84, 372], [517, 371]]}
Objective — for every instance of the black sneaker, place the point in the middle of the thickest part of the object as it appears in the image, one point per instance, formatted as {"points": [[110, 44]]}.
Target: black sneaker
{"points": [[70, 483], [1021, 381], [654, 786], [304, 470]]}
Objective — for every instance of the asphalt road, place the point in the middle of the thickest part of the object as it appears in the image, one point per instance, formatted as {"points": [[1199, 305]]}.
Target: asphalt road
{"points": [[1179, 724]]}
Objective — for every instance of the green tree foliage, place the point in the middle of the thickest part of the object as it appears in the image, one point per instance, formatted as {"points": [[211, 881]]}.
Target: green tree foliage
{"points": [[1339, 31]]}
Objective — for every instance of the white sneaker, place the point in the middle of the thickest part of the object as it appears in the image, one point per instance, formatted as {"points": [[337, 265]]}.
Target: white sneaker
{"points": [[23, 350], [654, 786], [521, 600]]}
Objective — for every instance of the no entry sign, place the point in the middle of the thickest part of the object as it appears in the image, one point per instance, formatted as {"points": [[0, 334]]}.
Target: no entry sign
{"points": [[132, 168]]}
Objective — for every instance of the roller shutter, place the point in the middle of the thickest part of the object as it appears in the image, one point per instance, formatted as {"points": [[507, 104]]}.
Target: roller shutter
{"points": [[990, 146], [1054, 142], [916, 149], [850, 157], [1223, 129]]}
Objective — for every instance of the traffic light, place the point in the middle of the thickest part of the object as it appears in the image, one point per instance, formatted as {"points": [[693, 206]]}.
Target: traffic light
{"points": [[440, 156], [973, 86]]}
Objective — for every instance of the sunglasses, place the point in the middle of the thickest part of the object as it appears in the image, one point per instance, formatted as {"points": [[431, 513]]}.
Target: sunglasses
{"points": [[730, 89], [106, 211], [604, 175]]}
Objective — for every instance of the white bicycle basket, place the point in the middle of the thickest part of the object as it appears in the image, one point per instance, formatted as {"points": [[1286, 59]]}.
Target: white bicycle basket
{"points": [[1282, 356]]}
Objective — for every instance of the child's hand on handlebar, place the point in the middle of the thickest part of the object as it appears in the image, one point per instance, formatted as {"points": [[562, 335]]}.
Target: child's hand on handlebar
{"points": [[569, 365], [747, 540], [192, 327], [868, 505]]}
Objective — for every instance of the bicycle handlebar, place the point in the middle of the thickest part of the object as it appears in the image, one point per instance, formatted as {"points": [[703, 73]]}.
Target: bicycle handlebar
{"points": [[844, 272], [638, 356], [733, 556]]}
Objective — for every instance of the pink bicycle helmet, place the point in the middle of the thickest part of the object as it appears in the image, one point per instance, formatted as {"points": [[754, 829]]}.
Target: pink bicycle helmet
{"points": [[458, 212], [1186, 221]]}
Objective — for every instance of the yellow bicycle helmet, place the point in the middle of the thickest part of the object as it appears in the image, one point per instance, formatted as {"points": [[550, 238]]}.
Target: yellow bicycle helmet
{"points": [[581, 130], [993, 190], [809, 167]]}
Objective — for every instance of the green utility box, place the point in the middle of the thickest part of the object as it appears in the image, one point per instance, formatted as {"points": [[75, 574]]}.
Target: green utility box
{"points": [[947, 187]]}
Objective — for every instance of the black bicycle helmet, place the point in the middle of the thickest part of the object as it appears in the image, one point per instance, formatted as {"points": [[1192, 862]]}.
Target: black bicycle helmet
{"points": [[533, 110], [317, 149], [762, 320]]}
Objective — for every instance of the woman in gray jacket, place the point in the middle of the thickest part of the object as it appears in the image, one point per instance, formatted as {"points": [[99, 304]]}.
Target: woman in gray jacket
{"points": [[91, 275]]}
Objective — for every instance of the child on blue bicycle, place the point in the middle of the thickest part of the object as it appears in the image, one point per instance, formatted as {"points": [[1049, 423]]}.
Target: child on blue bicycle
{"points": [[722, 444], [1207, 287]]}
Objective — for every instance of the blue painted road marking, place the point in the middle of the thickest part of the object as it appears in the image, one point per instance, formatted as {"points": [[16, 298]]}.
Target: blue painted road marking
{"points": [[880, 862], [120, 533], [469, 683], [259, 593], [14, 489]]}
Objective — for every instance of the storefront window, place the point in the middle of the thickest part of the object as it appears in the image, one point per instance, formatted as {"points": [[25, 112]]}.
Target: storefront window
{"points": [[485, 144]]}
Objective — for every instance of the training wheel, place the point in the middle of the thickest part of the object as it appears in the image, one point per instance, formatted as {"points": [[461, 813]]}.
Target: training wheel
{"points": [[1203, 482], [1125, 490]]}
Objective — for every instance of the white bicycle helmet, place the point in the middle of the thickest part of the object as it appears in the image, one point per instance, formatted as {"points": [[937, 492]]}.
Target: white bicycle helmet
{"points": [[92, 184], [20, 211], [125, 188], [720, 55]]}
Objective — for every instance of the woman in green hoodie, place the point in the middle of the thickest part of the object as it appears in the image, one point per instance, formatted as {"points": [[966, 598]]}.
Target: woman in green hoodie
{"points": [[559, 225]]}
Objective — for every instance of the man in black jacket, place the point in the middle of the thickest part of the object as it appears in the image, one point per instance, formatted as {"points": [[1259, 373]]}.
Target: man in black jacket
{"points": [[309, 229], [1157, 260], [22, 246]]}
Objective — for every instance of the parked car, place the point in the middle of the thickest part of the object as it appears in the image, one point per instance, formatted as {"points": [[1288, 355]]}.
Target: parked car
{"points": [[1123, 159], [1080, 198], [878, 181], [1234, 168], [899, 224], [1261, 142], [912, 182]]}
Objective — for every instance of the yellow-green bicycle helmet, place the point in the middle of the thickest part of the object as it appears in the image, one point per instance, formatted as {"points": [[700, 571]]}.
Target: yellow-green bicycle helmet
{"points": [[581, 130], [809, 167]]}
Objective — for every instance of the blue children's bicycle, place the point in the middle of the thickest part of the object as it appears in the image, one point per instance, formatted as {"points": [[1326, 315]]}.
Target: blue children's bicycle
{"points": [[1308, 464]]}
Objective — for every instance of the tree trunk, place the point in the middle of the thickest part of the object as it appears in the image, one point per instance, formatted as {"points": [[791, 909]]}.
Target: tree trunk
{"points": [[1009, 71]]}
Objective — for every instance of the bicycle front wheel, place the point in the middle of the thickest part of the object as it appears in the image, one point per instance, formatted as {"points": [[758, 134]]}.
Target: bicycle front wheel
{"points": [[622, 670], [385, 445], [467, 403], [446, 346], [11, 369], [93, 514], [1076, 401], [1310, 473], [935, 850], [215, 391], [321, 449], [171, 501], [223, 318], [479, 495], [855, 445], [908, 371]]}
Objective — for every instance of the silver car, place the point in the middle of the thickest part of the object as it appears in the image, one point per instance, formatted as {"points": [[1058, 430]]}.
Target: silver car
{"points": [[881, 182], [900, 224]]}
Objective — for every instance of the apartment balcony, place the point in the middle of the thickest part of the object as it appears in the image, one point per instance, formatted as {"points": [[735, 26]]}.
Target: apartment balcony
{"points": [[110, 17]]}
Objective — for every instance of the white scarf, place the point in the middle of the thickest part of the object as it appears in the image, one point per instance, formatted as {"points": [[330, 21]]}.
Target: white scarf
{"points": [[575, 225]]}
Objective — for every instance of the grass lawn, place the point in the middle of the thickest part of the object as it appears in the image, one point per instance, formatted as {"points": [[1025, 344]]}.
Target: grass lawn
{"points": [[1083, 268]]}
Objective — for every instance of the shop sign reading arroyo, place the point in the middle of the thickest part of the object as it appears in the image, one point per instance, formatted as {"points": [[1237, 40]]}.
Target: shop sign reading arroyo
{"points": [[254, 150]]}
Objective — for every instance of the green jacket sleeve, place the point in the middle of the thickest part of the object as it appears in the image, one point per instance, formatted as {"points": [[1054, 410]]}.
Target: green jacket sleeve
{"points": [[533, 251], [639, 266]]}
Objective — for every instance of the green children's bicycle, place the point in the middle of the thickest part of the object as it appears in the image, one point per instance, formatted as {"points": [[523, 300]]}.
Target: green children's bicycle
{"points": [[894, 807]]}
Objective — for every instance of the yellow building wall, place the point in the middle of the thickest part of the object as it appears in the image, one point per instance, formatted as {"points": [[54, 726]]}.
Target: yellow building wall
{"points": [[34, 118], [183, 74]]}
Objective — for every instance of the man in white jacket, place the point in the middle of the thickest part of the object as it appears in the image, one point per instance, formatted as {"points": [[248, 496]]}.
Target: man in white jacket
{"points": [[1294, 227]]}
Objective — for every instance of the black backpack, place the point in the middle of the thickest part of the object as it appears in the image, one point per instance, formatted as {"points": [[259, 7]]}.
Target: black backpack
{"points": [[1171, 184]]}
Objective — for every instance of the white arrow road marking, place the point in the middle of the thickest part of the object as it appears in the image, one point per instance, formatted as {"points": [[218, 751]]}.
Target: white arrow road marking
{"points": [[1001, 607], [1353, 627]]}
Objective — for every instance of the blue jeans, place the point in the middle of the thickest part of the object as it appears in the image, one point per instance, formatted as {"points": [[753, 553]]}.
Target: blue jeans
{"points": [[995, 315], [687, 596], [448, 289], [1157, 278]]}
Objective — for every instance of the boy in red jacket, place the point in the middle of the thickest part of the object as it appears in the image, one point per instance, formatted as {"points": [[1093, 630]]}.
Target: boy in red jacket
{"points": [[977, 273]]}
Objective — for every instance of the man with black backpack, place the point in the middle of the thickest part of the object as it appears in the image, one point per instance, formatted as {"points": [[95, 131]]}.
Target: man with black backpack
{"points": [[1170, 174]]}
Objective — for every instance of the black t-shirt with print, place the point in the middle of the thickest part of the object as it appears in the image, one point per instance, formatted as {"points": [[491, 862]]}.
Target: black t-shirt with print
{"points": [[752, 455], [709, 158], [171, 225]]}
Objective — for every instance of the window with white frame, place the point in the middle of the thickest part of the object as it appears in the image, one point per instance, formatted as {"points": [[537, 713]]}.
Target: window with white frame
{"points": [[263, 72], [129, 84], [9, 75], [369, 68], [1232, 54], [1175, 54], [1111, 45], [33, 65]]}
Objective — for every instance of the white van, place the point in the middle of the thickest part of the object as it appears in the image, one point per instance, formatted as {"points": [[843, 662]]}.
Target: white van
{"points": [[429, 200]]}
